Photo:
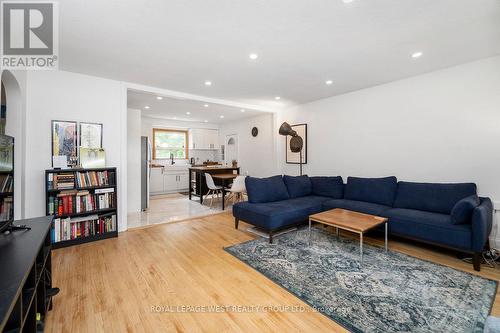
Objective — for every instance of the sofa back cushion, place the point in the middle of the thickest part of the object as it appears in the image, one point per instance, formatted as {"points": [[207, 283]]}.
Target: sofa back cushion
{"points": [[332, 187], [432, 197], [462, 212], [270, 189], [376, 190], [298, 186]]}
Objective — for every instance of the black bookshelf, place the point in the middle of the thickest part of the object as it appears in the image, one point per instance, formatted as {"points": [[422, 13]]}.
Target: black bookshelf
{"points": [[52, 191], [6, 196]]}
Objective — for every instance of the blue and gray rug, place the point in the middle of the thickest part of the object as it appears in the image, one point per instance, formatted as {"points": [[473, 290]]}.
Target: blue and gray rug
{"points": [[393, 292]]}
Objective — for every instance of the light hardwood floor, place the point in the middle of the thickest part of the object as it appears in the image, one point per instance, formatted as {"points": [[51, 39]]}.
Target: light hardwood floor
{"points": [[112, 285]]}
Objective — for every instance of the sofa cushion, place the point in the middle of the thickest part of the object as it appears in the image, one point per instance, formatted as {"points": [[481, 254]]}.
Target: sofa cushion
{"points": [[357, 206], [270, 189], [332, 187], [461, 213], [298, 186], [431, 227], [375, 190], [275, 215], [432, 197]]}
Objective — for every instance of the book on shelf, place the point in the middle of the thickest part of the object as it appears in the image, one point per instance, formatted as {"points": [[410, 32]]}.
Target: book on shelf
{"points": [[75, 202], [6, 209], [81, 227], [65, 180], [6, 183], [95, 178]]}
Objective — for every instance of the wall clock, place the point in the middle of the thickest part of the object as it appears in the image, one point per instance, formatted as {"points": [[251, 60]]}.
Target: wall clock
{"points": [[255, 131]]}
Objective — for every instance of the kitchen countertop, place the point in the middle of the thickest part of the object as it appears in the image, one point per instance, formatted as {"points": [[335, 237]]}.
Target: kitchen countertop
{"points": [[212, 168], [172, 167]]}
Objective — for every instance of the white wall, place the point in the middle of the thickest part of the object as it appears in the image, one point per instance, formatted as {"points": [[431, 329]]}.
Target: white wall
{"points": [[133, 161], [58, 95], [438, 127], [257, 155]]}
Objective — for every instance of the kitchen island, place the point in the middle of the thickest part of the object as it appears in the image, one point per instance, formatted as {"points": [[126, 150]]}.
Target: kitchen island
{"points": [[197, 183]]}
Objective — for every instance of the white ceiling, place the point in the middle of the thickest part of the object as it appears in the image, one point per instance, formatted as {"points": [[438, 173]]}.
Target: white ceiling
{"points": [[176, 109], [178, 44]]}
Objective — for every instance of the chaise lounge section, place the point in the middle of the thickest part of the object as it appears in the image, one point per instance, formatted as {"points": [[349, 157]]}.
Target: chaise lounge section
{"points": [[448, 215]]}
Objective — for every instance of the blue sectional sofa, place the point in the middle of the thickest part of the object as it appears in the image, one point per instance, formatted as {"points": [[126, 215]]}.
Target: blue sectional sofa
{"points": [[448, 215]]}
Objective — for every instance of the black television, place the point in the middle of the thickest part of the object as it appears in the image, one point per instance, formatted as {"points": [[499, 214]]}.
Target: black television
{"points": [[6, 181]]}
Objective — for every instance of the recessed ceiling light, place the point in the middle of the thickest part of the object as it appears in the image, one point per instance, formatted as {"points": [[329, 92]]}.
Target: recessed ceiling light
{"points": [[188, 113], [206, 121], [208, 83], [159, 98], [175, 118], [221, 117], [417, 54], [146, 107], [277, 98], [328, 82], [253, 56], [347, 1], [242, 110], [206, 105]]}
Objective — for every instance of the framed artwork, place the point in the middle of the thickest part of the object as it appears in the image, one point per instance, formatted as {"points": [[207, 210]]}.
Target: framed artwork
{"points": [[294, 158], [90, 135], [92, 157], [64, 139]]}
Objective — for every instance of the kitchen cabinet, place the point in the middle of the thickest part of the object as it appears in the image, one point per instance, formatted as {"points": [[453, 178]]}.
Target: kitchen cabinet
{"points": [[169, 182], [175, 181], [156, 180], [164, 180], [203, 138]]}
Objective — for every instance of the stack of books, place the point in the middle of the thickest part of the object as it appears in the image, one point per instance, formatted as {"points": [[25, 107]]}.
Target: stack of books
{"points": [[95, 178], [73, 228], [75, 202], [61, 181], [6, 183]]}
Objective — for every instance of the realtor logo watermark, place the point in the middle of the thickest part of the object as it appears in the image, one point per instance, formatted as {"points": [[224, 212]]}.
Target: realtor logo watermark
{"points": [[29, 35]]}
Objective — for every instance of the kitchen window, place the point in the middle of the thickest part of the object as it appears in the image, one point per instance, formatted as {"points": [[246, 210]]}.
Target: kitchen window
{"points": [[166, 142]]}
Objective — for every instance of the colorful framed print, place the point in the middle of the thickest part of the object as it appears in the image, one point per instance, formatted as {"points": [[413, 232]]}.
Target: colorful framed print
{"points": [[64, 139]]}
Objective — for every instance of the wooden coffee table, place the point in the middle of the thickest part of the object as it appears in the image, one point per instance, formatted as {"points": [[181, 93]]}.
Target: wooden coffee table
{"points": [[351, 221]]}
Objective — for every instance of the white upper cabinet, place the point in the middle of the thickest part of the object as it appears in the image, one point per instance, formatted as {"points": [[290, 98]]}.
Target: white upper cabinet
{"points": [[202, 138]]}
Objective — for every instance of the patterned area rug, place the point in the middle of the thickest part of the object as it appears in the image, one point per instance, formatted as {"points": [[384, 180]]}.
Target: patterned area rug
{"points": [[393, 292]]}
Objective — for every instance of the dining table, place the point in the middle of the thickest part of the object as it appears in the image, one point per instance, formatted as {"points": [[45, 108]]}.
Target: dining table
{"points": [[224, 179]]}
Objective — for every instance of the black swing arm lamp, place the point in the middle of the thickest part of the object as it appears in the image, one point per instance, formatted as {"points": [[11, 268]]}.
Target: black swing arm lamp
{"points": [[296, 142]]}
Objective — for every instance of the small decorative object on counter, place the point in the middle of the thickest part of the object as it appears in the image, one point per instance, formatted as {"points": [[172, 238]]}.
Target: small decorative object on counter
{"points": [[235, 163], [73, 161]]}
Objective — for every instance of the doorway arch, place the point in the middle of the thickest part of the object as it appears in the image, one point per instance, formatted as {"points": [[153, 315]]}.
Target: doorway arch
{"points": [[14, 127]]}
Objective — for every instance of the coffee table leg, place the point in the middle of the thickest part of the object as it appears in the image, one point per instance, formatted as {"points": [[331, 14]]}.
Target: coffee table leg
{"points": [[385, 236], [361, 247], [337, 229], [309, 231]]}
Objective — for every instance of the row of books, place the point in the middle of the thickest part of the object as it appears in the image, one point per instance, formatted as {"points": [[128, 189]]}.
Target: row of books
{"points": [[73, 228], [61, 181], [74, 202], [7, 209], [95, 178], [6, 183]]}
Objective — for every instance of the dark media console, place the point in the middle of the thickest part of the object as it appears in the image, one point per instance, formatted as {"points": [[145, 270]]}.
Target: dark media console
{"points": [[25, 280]]}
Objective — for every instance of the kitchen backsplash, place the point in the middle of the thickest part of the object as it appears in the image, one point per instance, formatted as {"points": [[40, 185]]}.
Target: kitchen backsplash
{"points": [[200, 156]]}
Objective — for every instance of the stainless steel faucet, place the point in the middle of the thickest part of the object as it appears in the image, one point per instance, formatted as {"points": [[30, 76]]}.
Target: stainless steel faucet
{"points": [[172, 159]]}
